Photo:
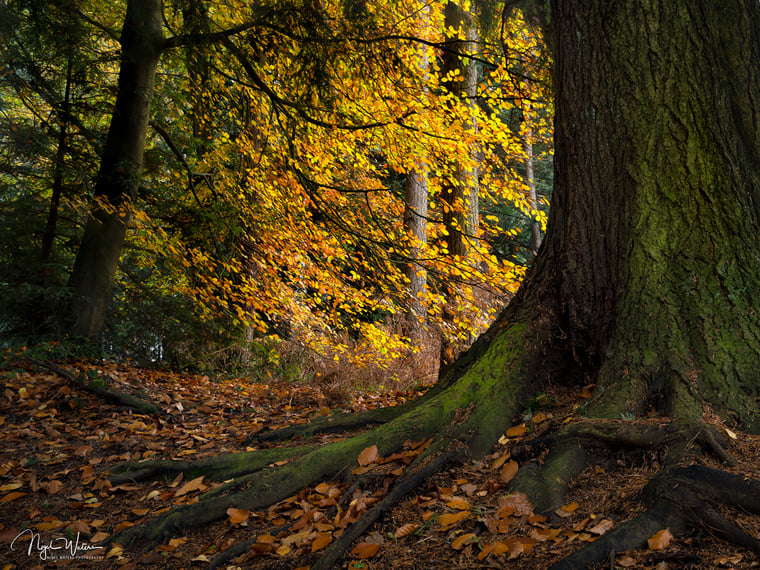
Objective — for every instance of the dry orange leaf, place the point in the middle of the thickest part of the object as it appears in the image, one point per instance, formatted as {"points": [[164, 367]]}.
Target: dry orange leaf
{"points": [[519, 501], [660, 539], [368, 455], [517, 431], [450, 519], [602, 527], [12, 497], [625, 561], [320, 541], [297, 538], [405, 530], [729, 560], [99, 537], [284, 549], [121, 526], [543, 534], [515, 550], [53, 487], [238, 516], [485, 551], [194, 485], [501, 460], [265, 539], [365, 550], [463, 540], [509, 471], [50, 525], [499, 548], [459, 504], [538, 418]]}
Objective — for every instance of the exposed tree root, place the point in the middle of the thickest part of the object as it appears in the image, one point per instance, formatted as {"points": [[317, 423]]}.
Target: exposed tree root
{"points": [[219, 467], [99, 388], [679, 497], [429, 465], [338, 423], [464, 419]]}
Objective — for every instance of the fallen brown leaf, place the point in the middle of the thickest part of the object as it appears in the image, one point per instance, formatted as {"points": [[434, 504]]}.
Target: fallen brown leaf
{"points": [[368, 455], [660, 539], [463, 540], [365, 550]]}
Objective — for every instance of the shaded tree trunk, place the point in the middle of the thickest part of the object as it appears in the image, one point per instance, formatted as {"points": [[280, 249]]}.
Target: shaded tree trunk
{"points": [[530, 181], [650, 271], [48, 236], [94, 270]]}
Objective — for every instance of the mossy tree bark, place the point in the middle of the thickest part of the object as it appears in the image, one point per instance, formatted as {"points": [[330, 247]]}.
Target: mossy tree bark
{"points": [[647, 284], [653, 261]]}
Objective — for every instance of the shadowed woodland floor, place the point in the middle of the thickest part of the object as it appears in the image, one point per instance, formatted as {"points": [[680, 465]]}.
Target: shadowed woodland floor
{"points": [[60, 442]]}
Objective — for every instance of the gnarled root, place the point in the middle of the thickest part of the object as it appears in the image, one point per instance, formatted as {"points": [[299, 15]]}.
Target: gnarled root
{"points": [[682, 495]]}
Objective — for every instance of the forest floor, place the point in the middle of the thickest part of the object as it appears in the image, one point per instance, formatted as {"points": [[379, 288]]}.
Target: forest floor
{"points": [[59, 443]]}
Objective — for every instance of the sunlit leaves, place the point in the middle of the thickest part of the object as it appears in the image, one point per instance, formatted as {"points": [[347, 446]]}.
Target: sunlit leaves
{"points": [[283, 206]]}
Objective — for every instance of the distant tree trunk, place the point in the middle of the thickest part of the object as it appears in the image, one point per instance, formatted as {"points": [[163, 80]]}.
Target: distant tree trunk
{"points": [[460, 199], [530, 181], [415, 223], [97, 260]]}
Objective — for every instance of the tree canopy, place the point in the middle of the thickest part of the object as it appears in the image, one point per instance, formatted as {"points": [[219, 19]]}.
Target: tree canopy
{"points": [[268, 198]]}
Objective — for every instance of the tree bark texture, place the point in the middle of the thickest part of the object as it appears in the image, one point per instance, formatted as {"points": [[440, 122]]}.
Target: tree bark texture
{"points": [[97, 260], [651, 267]]}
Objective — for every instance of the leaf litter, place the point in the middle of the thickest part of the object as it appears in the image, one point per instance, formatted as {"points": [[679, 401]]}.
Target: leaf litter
{"points": [[59, 443]]}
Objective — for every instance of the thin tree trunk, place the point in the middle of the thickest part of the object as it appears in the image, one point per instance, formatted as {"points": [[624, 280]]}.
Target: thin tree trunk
{"points": [[48, 236], [415, 223], [460, 198], [530, 181], [94, 270]]}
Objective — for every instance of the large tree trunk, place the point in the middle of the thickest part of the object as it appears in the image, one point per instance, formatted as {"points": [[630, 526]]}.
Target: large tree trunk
{"points": [[651, 261], [97, 260]]}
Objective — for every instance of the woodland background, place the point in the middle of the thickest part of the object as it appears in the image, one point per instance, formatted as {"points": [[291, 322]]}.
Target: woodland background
{"points": [[340, 184]]}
